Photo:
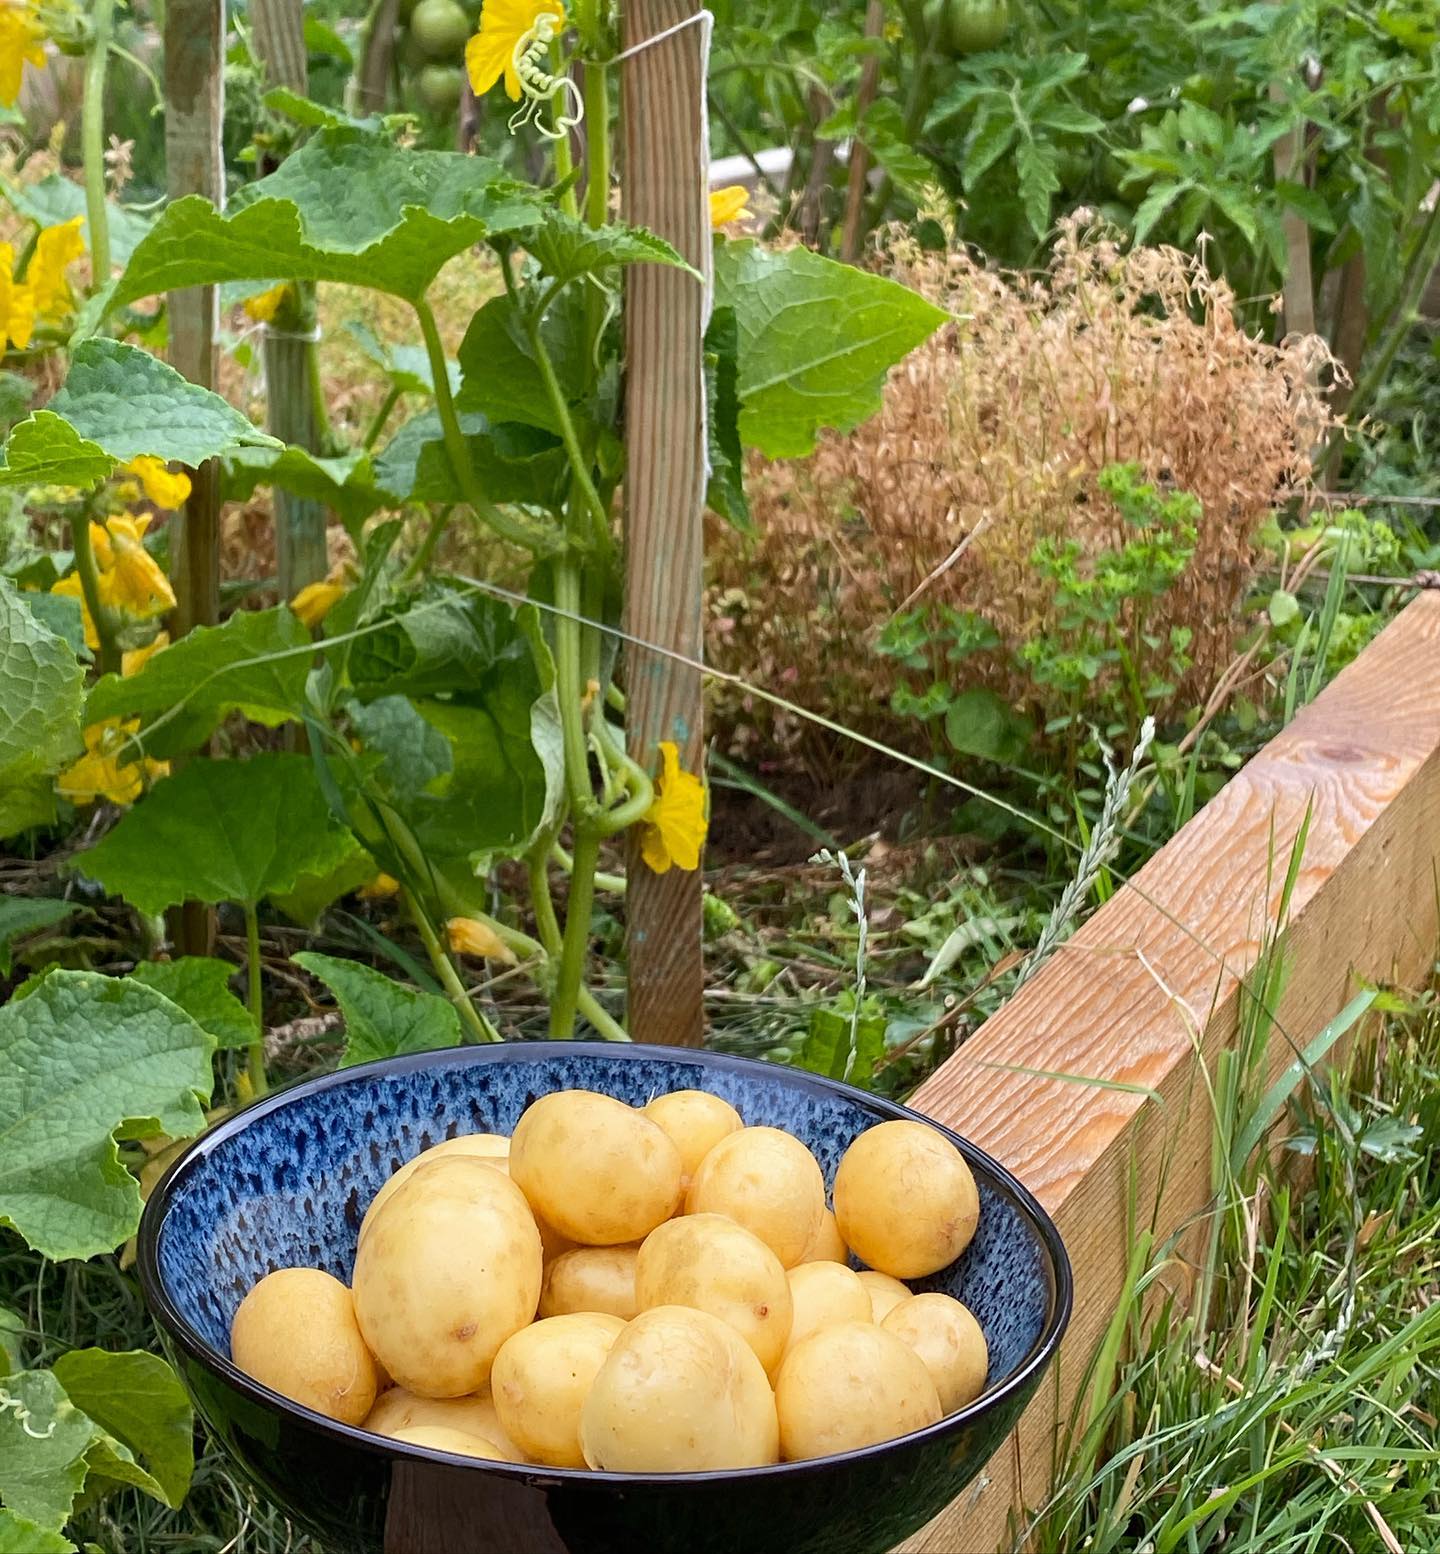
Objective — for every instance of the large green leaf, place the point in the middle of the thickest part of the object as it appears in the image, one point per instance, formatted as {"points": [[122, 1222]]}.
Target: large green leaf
{"points": [[55, 199], [19, 1535], [221, 831], [40, 696], [256, 663], [412, 753], [200, 984], [345, 483], [565, 248], [501, 377], [44, 1440], [816, 340], [82, 1058], [406, 367], [119, 401], [513, 463], [136, 1399], [21, 915], [344, 207], [382, 1018]]}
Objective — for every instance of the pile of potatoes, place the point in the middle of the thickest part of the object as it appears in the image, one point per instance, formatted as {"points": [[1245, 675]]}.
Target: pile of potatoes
{"points": [[642, 1290]]}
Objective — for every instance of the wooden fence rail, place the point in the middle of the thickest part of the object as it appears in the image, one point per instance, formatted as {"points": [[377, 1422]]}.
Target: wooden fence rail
{"points": [[1161, 962]]}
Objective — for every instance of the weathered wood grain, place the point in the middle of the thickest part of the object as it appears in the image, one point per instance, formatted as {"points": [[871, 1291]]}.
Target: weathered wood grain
{"points": [[665, 189], [1162, 962]]}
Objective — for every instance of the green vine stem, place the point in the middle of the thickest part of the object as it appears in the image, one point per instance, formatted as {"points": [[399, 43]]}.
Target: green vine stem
{"points": [[565, 996], [259, 1082], [600, 1017], [382, 415], [614, 883], [480, 1028], [92, 139], [439, 522], [569, 690], [104, 621], [597, 120]]}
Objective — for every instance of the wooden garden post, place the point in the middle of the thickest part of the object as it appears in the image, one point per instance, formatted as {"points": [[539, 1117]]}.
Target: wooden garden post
{"points": [[665, 189], [195, 164], [292, 402]]}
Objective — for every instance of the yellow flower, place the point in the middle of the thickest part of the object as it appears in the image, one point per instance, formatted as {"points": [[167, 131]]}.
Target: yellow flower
{"points": [[56, 248], [381, 888], [22, 40], [264, 306], [316, 600], [17, 302], [504, 26], [163, 488], [102, 773], [133, 661], [130, 577], [675, 823], [729, 204], [469, 936]]}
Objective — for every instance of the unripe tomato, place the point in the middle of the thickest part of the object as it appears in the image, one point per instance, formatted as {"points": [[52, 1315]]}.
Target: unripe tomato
{"points": [[441, 28], [967, 26], [439, 87]]}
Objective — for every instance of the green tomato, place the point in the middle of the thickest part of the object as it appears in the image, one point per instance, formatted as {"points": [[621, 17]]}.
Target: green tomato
{"points": [[441, 27], [412, 55], [439, 87], [967, 26]]}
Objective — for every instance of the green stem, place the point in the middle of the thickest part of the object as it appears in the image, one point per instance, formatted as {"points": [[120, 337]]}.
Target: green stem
{"points": [[576, 947], [600, 1017], [547, 925], [597, 125], [382, 415], [259, 1083], [614, 883], [104, 621], [92, 139], [533, 539], [568, 687], [480, 1028], [564, 156], [421, 559]]}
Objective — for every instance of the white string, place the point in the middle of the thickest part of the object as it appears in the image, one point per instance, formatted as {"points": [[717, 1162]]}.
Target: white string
{"points": [[309, 336], [669, 32]]}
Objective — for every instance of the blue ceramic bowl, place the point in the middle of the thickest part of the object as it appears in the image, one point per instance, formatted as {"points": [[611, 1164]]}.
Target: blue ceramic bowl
{"points": [[286, 1182]]}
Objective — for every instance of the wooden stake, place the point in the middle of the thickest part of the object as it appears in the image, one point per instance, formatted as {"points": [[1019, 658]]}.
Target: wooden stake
{"points": [[666, 158], [194, 164], [854, 231]]}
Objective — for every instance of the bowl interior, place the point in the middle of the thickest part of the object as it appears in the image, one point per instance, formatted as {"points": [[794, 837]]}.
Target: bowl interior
{"points": [[287, 1183]]}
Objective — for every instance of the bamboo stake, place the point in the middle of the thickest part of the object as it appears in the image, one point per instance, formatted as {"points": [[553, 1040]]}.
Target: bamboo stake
{"points": [[666, 159]]}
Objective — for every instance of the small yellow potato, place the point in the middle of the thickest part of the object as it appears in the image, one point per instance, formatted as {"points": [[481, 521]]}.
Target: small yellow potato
{"points": [[824, 1295], [296, 1333], [599, 1171], [766, 1181], [450, 1269], [710, 1263], [905, 1200], [444, 1438], [541, 1378], [399, 1409], [680, 1392], [485, 1146], [696, 1122], [885, 1293], [850, 1386], [591, 1278], [828, 1245], [946, 1336]]}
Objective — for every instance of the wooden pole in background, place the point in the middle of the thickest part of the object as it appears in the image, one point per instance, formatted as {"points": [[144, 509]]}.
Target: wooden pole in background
{"points": [[195, 164], [665, 189]]}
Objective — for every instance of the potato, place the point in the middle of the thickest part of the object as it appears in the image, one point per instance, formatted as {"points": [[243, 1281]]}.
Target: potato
{"points": [[399, 1409], [885, 1293], [680, 1392], [444, 1438], [766, 1181], [486, 1146], [822, 1295], [828, 1245], [696, 1122], [905, 1200], [850, 1386], [946, 1336], [591, 1278], [450, 1269], [710, 1263], [296, 1333], [599, 1171], [541, 1378]]}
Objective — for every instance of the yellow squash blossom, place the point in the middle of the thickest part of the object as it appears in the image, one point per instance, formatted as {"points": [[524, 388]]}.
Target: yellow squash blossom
{"points": [[381, 888], [504, 26], [134, 659], [469, 936], [110, 768], [17, 303], [22, 39], [729, 204], [130, 577], [265, 305], [161, 487], [315, 601], [675, 824], [56, 249]]}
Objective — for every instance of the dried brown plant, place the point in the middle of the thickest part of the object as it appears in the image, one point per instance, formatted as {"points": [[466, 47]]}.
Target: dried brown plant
{"points": [[991, 437]]}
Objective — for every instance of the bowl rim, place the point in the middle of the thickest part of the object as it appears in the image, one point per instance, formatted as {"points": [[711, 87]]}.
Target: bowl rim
{"points": [[179, 1330]]}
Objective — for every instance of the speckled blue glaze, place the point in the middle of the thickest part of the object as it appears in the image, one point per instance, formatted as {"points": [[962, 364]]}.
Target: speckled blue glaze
{"points": [[287, 1182]]}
